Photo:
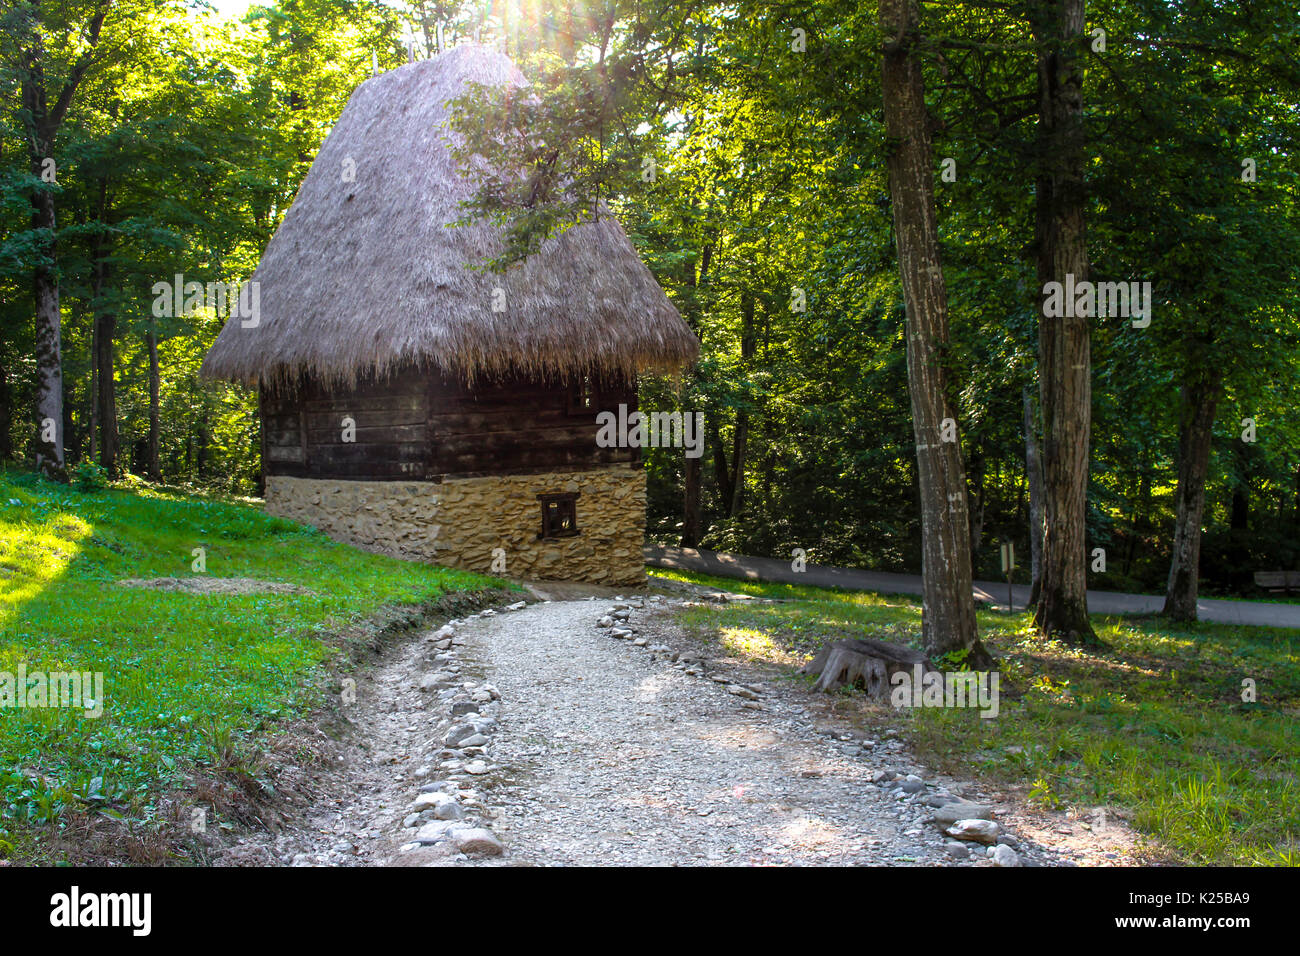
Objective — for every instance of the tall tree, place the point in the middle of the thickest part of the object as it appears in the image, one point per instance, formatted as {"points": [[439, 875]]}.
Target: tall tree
{"points": [[948, 622], [1064, 344], [1199, 402], [1210, 101], [41, 120], [104, 399], [1034, 476]]}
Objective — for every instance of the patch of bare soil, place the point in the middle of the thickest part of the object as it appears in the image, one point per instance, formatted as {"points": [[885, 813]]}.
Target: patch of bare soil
{"points": [[207, 585]]}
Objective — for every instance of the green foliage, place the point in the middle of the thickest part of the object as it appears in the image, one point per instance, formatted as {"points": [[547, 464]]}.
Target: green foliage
{"points": [[89, 476], [187, 142], [953, 660], [770, 177], [183, 147]]}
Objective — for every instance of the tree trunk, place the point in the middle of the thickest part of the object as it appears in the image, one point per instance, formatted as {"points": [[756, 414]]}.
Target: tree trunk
{"points": [[739, 445], [692, 523], [49, 341], [862, 663], [104, 396], [155, 472], [106, 403], [1240, 517], [1200, 405], [691, 504], [94, 385], [740, 437], [721, 472], [1064, 347], [1134, 523], [948, 610], [41, 123], [1034, 473], [261, 446], [1240, 520], [6, 410], [976, 495], [105, 400], [202, 438]]}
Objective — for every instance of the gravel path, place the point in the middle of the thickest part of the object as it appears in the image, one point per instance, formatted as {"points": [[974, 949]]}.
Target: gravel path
{"points": [[593, 733], [615, 756]]}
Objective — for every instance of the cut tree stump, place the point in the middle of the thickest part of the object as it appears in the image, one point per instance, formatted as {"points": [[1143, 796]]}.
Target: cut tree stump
{"points": [[862, 663]]}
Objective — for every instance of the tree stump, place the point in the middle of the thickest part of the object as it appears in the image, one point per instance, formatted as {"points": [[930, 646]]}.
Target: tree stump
{"points": [[862, 663]]}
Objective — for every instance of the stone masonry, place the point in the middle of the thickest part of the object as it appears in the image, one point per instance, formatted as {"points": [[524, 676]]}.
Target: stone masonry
{"points": [[459, 522]]}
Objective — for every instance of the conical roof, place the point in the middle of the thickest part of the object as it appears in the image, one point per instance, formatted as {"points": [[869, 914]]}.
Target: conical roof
{"points": [[365, 272]]}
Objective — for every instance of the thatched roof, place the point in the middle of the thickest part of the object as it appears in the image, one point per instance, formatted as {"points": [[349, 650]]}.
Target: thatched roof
{"points": [[365, 275]]}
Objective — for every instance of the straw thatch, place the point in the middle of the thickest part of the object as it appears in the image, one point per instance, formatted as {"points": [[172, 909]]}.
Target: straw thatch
{"points": [[366, 275]]}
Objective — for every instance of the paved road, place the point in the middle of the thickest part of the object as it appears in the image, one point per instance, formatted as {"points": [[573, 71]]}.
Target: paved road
{"points": [[1099, 602]]}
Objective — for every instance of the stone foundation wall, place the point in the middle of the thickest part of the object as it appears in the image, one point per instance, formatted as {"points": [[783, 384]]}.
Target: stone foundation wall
{"points": [[460, 521]]}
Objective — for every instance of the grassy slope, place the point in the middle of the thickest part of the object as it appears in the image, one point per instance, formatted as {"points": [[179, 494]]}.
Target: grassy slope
{"points": [[184, 674], [1156, 726]]}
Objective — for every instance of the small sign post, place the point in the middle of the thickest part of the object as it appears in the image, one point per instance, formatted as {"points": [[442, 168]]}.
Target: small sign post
{"points": [[1009, 565]]}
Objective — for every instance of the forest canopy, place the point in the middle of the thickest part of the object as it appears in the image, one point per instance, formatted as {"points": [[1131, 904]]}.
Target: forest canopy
{"points": [[744, 148]]}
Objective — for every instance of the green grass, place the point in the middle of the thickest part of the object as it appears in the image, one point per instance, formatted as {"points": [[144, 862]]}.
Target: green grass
{"points": [[1156, 726], [1263, 597], [185, 675]]}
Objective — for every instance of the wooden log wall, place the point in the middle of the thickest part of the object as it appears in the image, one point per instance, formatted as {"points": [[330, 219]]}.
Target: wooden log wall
{"points": [[417, 424]]}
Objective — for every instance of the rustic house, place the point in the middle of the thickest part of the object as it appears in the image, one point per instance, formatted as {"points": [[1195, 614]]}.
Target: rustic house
{"points": [[417, 404]]}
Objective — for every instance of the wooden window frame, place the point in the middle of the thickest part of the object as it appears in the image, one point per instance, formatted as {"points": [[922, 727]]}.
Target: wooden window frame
{"points": [[583, 396], [567, 503]]}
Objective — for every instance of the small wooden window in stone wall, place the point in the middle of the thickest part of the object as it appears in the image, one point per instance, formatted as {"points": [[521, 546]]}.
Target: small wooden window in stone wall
{"points": [[559, 515]]}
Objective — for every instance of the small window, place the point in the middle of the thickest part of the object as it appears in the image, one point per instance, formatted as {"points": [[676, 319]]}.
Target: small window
{"points": [[559, 515], [582, 395]]}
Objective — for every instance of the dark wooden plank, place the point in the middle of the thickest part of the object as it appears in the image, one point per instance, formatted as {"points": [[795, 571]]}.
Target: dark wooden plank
{"points": [[368, 434], [366, 470], [282, 424], [378, 452], [279, 453], [578, 437], [530, 459], [283, 438], [421, 424], [463, 423], [333, 420], [353, 405]]}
